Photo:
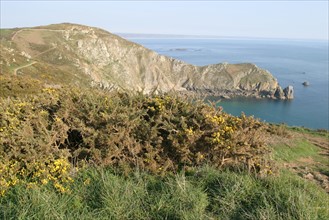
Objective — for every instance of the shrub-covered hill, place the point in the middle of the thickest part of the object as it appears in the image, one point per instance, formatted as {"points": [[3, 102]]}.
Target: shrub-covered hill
{"points": [[86, 153]]}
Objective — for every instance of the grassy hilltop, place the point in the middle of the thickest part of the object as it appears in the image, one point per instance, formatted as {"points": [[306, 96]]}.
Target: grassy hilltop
{"points": [[70, 152]]}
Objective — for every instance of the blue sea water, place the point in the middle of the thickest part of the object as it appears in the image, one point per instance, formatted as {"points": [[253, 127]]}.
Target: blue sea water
{"points": [[291, 61]]}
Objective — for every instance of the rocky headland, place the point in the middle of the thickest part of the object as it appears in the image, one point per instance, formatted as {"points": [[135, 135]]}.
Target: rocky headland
{"points": [[82, 55]]}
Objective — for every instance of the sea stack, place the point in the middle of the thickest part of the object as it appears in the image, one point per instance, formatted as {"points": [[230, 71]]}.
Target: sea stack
{"points": [[279, 94], [289, 92]]}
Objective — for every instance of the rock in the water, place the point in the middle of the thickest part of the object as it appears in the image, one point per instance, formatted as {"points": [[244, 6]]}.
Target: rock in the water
{"points": [[226, 97], [289, 92], [279, 94], [306, 83]]}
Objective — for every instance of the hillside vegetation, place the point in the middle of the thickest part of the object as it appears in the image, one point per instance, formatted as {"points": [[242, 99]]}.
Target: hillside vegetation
{"points": [[68, 152]]}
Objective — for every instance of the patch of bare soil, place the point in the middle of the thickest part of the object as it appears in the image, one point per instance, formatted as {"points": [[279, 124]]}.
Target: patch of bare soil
{"points": [[304, 167], [29, 35], [23, 38]]}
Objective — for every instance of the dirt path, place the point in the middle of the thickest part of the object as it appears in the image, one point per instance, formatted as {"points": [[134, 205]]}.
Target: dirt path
{"points": [[21, 67], [13, 37], [30, 64], [17, 32], [34, 62], [44, 52]]}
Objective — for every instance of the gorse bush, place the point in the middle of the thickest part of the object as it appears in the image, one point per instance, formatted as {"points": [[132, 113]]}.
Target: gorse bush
{"points": [[44, 135], [28, 151]]}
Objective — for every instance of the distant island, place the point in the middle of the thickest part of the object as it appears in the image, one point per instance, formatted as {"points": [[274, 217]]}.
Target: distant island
{"points": [[175, 36], [187, 36], [81, 55]]}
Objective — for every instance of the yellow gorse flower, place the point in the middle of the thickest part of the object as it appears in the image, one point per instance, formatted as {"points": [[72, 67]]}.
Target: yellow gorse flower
{"points": [[55, 172]]}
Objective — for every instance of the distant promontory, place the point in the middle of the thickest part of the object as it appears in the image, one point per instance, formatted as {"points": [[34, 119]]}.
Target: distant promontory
{"points": [[87, 56]]}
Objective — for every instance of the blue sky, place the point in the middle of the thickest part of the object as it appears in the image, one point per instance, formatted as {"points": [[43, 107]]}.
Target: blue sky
{"points": [[269, 19]]}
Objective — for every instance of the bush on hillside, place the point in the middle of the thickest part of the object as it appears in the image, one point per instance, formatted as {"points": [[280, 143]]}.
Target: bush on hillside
{"points": [[41, 134]]}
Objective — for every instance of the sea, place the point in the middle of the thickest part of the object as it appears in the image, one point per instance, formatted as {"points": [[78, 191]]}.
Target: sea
{"points": [[292, 62]]}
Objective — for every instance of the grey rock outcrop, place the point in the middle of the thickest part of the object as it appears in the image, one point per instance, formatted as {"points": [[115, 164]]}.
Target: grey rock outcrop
{"points": [[279, 94], [289, 92]]}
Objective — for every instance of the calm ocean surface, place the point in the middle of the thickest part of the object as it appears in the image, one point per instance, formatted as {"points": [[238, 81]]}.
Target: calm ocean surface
{"points": [[291, 61]]}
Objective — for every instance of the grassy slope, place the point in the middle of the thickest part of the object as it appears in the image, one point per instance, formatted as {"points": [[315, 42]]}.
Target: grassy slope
{"points": [[304, 152], [206, 193]]}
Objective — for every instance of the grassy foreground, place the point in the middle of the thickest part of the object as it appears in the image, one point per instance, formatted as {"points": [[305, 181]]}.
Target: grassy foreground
{"points": [[205, 193], [70, 153]]}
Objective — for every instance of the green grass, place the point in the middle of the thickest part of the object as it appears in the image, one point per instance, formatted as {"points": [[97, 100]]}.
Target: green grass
{"points": [[6, 33], [318, 132], [205, 193], [302, 149], [298, 150], [302, 155]]}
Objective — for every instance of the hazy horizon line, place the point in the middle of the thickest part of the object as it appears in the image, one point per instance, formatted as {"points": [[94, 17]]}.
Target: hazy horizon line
{"points": [[202, 36], [179, 36]]}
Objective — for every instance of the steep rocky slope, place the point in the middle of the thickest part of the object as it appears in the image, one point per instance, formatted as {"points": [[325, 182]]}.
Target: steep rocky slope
{"points": [[76, 54]]}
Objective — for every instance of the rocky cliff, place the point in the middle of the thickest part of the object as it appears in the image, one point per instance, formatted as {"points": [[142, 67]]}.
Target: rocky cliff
{"points": [[69, 53]]}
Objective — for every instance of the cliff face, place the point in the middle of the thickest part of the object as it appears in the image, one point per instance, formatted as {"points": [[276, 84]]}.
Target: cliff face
{"points": [[85, 55]]}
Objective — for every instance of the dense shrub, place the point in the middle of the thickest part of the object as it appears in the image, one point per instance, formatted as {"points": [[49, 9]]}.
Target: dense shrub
{"points": [[157, 134]]}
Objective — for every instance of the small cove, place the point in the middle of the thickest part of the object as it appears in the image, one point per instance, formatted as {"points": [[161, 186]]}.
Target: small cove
{"points": [[292, 62]]}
